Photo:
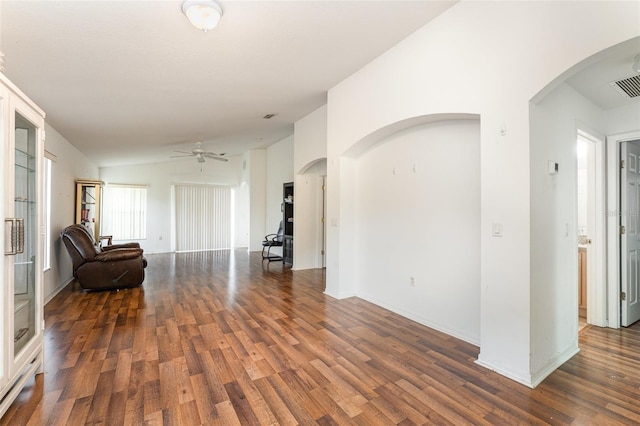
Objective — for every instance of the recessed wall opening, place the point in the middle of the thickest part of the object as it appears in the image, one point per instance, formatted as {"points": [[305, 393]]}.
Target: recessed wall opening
{"points": [[310, 224], [417, 215]]}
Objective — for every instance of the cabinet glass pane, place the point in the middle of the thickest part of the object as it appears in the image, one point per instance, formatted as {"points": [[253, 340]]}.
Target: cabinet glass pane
{"points": [[25, 209], [88, 209]]}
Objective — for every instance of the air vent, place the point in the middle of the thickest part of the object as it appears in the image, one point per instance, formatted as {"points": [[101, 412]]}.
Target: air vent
{"points": [[630, 87]]}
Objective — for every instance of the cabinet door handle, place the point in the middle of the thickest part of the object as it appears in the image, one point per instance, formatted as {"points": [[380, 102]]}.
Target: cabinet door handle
{"points": [[14, 229], [20, 248], [9, 242]]}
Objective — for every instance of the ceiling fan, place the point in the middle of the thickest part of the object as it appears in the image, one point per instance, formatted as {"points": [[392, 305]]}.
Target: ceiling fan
{"points": [[200, 154]]}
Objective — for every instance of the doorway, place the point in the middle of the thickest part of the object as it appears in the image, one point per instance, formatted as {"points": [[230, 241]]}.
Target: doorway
{"points": [[616, 259], [591, 285], [630, 233], [586, 150]]}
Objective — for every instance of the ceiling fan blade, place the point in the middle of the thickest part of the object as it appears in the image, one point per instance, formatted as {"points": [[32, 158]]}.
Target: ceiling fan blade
{"points": [[214, 156], [200, 154]]}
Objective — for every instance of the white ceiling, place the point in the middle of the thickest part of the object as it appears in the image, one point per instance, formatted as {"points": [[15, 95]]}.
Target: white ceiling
{"points": [[594, 81], [127, 82]]}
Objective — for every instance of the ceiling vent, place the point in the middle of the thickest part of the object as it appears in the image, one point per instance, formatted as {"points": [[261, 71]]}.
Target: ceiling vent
{"points": [[629, 87]]}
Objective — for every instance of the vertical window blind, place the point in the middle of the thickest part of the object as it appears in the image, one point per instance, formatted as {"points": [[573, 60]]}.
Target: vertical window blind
{"points": [[125, 212], [202, 217]]}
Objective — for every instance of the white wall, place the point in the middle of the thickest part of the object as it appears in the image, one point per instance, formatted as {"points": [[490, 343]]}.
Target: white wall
{"points": [[257, 165], [486, 58], [310, 139], [279, 170], [242, 205], [623, 119], [160, 177], [310, 165], [554, 276], [418, 216], [70, 164]]}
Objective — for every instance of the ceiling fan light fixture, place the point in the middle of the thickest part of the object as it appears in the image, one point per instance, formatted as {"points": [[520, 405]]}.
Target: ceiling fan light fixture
{"points": [[203, 14], [636, 64], [200, 154]]}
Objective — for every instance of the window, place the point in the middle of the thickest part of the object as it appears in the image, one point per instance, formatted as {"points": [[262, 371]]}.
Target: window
{"points": [[47, 213], [125, 212], [202, 218]]}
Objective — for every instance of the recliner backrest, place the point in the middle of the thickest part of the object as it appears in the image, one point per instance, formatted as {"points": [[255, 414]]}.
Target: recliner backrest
{"points": [[80, 245]]}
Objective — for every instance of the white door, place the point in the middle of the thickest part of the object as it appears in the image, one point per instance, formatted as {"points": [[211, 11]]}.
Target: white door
{"points": [[630, 240]]}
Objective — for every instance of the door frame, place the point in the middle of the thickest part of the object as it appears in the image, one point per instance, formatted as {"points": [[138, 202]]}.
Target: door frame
{"points": [[596, 277], [596, 267], [613, 224]]}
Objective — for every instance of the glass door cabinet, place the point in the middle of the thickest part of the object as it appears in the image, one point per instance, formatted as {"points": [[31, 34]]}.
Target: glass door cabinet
{"points": [[21, 332], [88, 210]]}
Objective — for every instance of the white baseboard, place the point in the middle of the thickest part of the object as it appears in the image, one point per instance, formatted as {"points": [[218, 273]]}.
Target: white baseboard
{"points": [[420, 320], [530, 379], [57, 290], [339, 296], [522, 377], [551, 365]]}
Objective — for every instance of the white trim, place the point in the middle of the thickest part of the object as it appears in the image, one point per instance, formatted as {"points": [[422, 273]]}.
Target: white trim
{"points": [[340, 296], [522, 377], [50, 156], [126, 185], [532, 380], [613, 224], [58, 289], [458, 334], [597, 287], [553, 364]]}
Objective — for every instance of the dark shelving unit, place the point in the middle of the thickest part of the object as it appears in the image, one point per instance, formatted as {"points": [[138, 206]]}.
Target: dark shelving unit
{"points": [[287, 220]]}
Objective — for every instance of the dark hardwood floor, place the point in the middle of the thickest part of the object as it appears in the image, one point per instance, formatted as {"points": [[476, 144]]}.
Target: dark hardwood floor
{"points": [[216, 338]]}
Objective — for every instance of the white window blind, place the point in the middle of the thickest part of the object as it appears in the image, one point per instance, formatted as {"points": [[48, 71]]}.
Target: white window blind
{"points": [[202, 217], [125, 212]]}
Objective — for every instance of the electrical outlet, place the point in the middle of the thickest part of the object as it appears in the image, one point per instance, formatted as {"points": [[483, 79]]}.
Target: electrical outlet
{"points": [[412, 282]]}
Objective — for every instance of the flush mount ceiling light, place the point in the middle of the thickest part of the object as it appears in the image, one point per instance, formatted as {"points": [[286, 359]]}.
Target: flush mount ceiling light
{"points": [[636, 64], [203, 14]]}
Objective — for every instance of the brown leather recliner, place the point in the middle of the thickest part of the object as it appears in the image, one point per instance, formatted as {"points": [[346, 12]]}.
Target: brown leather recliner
{"points": [[101, 268]]}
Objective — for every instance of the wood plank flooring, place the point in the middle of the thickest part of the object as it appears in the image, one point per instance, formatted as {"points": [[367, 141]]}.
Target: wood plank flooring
{"points": [[217, 338]]}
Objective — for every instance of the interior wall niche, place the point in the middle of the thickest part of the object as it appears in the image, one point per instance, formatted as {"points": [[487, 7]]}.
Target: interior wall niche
{"points": [[418, 225], [309, 228]]}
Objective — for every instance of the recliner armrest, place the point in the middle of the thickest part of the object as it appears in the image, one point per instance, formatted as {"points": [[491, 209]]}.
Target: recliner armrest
{"points": [[118, 254], [120, 246]]}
